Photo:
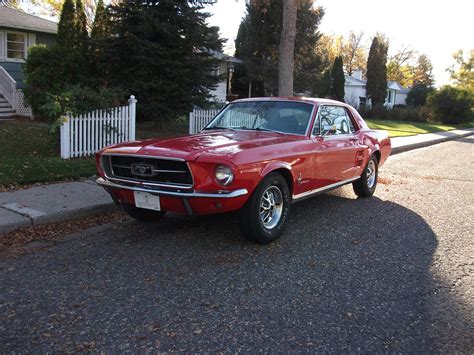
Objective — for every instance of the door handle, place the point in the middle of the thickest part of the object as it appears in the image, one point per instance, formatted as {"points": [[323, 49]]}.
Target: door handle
{"points": [[354, 139]]}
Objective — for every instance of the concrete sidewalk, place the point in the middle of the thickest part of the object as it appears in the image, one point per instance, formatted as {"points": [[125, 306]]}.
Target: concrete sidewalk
{"points": [[52, 203], [403, 144], [73, 200]]}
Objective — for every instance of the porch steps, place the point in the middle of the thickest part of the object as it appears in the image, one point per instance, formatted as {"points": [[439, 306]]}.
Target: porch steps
{"points": [[6, 110]]}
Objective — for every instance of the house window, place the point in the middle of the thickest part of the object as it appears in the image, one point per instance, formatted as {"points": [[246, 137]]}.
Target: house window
{"points": [[16, 45], [389, 96]]}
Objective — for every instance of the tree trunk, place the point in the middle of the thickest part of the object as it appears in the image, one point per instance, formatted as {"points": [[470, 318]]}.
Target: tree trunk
{"points": [[286, 61]]}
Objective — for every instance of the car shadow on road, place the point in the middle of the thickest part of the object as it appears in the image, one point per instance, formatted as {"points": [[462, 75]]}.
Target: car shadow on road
{"points": [[365, 263], [347, 275]]}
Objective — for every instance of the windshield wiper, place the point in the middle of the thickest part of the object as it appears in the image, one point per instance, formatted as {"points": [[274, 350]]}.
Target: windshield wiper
{"points": [[267, 130], [218, 127]]}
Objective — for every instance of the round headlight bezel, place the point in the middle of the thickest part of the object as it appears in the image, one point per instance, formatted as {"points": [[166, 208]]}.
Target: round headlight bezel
{"points": [[223, 175]]}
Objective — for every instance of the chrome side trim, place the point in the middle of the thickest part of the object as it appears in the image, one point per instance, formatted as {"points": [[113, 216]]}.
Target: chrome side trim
{"points": [[235, 193], [307, 194]]}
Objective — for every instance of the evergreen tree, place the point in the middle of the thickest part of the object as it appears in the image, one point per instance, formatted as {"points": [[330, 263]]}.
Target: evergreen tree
{"points": [[376, 86], [100, 26], [66, 37], [258, 42], [338, 80], [82, 36], [159, 53]]}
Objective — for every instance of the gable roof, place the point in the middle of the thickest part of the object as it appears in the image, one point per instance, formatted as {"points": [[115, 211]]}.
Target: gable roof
{"points": [[224, 57], [393, 85], [20, 20], [351, 81]]}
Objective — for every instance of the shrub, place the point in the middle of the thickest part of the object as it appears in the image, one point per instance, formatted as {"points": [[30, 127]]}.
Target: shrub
{"points": [[378, 112], [77, 100], [52, 76], [398, 113], [404, 113], [451, 105], [417, 95]]}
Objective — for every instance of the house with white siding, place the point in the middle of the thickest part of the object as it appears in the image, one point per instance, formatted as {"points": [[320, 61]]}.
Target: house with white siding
{"points": [[18, 32], [355, 92], [225, 69]]}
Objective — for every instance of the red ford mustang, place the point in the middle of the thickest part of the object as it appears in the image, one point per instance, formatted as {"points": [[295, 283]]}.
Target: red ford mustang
{"points": [[257, 155]]}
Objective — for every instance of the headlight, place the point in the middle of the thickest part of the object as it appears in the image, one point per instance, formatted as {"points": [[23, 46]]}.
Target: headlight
{"points": [[224, 175]]}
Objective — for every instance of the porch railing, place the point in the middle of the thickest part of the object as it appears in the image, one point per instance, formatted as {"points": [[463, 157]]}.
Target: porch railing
{"points": [[8, 87]]}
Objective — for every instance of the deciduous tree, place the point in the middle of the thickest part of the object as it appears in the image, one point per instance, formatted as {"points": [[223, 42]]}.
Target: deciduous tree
{"points": [[423, 72], [353, 52], [286, 60], [258, 44], [462, 72]]}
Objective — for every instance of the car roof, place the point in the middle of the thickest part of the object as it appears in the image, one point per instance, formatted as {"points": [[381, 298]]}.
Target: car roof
{"points": [[311, 100]]}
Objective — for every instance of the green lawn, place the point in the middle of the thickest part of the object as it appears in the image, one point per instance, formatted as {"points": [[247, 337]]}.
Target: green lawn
{"points": [[400, 129], [30, 154]]}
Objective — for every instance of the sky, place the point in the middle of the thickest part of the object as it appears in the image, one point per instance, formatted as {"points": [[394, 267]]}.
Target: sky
{"points": [[437, 28]]}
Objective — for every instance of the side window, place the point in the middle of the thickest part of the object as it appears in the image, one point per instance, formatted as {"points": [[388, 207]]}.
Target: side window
{"points": [[333, 120]]}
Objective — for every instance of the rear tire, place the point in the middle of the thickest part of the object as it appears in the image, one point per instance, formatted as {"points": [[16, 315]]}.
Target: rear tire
{"points": [[142, 214], [263, 218], [365, 186]]}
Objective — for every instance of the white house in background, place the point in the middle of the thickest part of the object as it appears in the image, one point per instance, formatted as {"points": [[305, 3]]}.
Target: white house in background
{"points": [[226, 67], [355, 93]]}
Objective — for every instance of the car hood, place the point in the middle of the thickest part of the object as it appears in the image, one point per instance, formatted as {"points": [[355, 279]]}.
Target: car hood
{"points": [[223, 144]]}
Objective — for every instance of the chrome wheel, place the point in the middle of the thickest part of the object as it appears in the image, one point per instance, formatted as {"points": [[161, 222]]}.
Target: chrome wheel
{"points": [[371, 174], [271, 207]]}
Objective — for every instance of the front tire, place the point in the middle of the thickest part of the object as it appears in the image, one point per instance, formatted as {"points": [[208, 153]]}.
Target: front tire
{"points": [[365, 186], [263, 218], [142, 214]]}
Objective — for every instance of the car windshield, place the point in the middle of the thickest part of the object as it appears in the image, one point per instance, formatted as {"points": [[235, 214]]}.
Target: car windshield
{"points": [[278, 116]]}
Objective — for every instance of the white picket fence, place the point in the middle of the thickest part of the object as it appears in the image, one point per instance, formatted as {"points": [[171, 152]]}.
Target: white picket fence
{"points": [[85, 135], [199, 118]]}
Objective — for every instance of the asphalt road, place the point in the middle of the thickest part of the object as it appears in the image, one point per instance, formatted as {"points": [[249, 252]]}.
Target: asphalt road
{"points": [[393, 273]]}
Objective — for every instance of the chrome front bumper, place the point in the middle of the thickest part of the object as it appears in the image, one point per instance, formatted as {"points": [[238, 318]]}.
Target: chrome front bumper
{"points": [[221, 194]]}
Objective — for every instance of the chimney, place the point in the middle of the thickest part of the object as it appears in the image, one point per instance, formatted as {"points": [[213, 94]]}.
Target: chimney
{"points": [[357, 74]]}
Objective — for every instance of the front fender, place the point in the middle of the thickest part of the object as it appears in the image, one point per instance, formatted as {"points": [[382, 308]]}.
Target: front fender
{"points": [[275, 166]]}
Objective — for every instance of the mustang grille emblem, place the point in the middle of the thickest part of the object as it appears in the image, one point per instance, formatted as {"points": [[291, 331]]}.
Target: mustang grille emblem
{"points": [[142, 169]]}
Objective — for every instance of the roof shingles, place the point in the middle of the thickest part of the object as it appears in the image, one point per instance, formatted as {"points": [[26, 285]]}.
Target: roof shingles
{"points": [[15, 19]]}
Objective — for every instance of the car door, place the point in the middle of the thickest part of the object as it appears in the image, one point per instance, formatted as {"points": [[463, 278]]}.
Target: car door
{"points": [[337, 151]]}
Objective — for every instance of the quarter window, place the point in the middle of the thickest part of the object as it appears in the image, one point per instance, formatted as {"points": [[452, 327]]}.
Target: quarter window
{"points": [[16, 45], [333, 120]]}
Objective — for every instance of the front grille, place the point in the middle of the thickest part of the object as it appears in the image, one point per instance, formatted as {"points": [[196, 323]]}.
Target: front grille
{"points": [[151, 170]]}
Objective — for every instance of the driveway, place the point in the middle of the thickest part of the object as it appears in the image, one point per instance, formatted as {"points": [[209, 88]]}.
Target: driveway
{"points": [[393, 273]]}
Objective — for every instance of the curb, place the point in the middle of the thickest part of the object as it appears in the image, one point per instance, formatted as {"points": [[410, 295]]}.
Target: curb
{"points": [[408, 147], [59, 217]]}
